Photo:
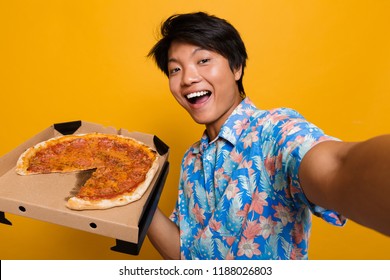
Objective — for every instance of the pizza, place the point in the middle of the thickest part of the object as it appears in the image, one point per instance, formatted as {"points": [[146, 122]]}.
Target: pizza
{"points": [[122, 167]]}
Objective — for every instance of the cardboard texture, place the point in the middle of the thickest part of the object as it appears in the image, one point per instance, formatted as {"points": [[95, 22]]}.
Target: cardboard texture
{"points": [[43, 197]]}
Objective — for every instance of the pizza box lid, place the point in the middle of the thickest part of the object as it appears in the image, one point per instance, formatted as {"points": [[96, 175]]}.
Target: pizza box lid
{"points": [[43, 196]]}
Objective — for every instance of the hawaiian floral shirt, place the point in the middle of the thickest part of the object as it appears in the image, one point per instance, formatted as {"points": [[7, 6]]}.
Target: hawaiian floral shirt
{"points": [[239, 195]]}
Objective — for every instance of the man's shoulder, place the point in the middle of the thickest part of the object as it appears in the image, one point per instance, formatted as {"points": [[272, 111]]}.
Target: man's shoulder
{"points": [[274, 118], [277, 113]]}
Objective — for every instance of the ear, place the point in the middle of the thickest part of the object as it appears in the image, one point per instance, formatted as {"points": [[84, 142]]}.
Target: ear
{"points": [[237, 73]]}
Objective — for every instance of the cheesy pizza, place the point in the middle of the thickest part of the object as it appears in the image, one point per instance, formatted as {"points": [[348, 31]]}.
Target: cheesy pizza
{"points": [[122, 167]]}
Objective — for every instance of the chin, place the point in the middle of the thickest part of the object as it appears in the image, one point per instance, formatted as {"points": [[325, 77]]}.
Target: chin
{"points": [[199, 121]]}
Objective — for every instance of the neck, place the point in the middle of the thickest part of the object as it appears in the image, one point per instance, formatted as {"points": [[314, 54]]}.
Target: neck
{"points": [[212, 134]]}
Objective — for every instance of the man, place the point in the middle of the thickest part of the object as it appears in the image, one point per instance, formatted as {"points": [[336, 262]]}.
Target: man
{"points": [[249, 186]]}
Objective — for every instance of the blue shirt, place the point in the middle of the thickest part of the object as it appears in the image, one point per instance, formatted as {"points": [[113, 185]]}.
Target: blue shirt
{"points": [[239, 195]]}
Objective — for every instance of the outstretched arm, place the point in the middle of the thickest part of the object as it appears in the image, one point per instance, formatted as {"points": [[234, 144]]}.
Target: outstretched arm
{"points": [[164, 235], [352, 179]]}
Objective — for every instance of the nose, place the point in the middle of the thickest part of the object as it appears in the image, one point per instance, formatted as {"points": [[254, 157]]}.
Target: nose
{"points": [[190, 76]]}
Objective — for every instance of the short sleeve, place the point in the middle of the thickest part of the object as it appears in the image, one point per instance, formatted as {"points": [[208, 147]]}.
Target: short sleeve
{"points": [[174, 217], [294, 137]]}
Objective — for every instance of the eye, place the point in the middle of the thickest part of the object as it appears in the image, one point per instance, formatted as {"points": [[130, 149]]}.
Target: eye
{"points": [[174, 70], [204, 60]]}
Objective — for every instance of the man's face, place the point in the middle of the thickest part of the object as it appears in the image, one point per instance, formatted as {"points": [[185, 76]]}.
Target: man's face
{"points": [[203, 83]]}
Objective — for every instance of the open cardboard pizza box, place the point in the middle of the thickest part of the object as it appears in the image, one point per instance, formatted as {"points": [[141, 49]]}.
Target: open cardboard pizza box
{"points": [[43, 197]]}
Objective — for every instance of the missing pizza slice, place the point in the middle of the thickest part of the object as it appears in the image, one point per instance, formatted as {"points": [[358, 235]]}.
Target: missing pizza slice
{"points": [[123, 167]]}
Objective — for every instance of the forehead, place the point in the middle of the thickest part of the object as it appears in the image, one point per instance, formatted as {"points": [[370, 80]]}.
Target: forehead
{"points": [[179, 48]]}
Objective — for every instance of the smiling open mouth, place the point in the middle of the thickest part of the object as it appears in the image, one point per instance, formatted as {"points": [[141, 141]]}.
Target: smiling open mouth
{"points": [[198, 97]]}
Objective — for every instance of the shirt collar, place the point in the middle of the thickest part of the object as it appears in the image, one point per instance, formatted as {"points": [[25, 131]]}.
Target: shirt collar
{"points": [[234, 125]]}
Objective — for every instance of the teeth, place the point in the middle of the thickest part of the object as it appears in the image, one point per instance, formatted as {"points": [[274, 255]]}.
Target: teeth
{"points": [[197, 94]]}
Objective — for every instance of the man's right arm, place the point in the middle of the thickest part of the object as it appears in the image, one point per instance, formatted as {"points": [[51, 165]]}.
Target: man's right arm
{"points": [[164, 235]]}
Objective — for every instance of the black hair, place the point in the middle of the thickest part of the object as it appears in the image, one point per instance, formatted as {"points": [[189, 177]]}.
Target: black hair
{"points": [[203, 30]]}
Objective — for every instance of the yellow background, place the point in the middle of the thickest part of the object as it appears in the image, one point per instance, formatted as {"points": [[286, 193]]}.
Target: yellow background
{"points": [[69, 60]]}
